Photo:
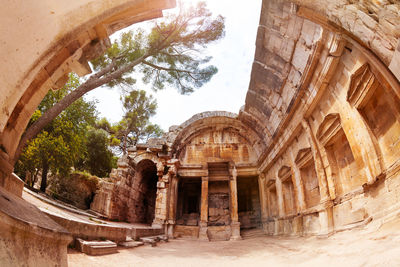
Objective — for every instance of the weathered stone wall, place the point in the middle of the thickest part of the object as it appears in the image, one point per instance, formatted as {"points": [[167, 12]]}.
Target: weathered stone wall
{"points": [[129, 194], [333, 157], [78, 189], [216, 145]]}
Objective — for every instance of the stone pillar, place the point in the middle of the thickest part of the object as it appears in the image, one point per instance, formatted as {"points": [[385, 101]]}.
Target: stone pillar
{"points": [[326, 220], [263, 199], [173, 196], [326, 215], [323, 183], [235, 224], [204, 209], [298, 184], [161, 200]]}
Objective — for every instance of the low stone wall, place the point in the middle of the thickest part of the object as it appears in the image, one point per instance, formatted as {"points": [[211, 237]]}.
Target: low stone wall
{"points": [[88, 231], [13, 184], [186, 231], [29, 237], [219, 233]]}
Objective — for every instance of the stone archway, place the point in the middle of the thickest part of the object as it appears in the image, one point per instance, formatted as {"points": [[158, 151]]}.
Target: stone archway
{"points": [[146, 184]]}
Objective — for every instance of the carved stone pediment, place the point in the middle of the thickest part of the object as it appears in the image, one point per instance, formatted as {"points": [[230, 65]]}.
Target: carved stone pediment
{"points": [[271, 182], [329, 128], [284, 173], [362, 85], [303, 156]]}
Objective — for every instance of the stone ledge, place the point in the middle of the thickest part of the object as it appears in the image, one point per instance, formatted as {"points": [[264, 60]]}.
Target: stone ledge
{"points": [[26, 233], [89, 231]]}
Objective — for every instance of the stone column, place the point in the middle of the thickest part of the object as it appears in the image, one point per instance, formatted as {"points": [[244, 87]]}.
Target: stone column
{"points": [[326, 215], [263, 199], [235, 224], [298, 184], [204, 209], [161, 200], [173, 196]]}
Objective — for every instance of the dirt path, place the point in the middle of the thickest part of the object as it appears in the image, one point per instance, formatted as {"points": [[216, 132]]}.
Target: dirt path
{"points": [[350, 248]]}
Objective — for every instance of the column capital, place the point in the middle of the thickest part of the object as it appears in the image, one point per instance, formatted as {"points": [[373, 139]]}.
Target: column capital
{"points": [[204, 178]]}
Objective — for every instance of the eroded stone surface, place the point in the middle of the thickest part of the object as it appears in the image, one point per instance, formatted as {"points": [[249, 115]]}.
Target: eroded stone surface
{"points": [[319, 131]]}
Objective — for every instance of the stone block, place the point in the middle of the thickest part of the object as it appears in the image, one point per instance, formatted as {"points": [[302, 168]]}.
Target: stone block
{"points": [[300, 57], [96, 248], [219, 233], [344, 214]]}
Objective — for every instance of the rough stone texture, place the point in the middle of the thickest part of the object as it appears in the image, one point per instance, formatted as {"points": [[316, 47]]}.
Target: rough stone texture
{"points": [[28, 237], [332, 157], [130, 193], [319, 129], [78, 189]]}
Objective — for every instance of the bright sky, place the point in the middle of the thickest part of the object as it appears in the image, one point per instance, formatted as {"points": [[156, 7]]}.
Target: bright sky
{"points": [[232, 55]]}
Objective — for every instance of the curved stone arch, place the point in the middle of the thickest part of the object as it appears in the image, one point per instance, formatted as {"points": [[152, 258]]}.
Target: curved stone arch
{"points": [[71, 33], [135, 160], [211, 121]]}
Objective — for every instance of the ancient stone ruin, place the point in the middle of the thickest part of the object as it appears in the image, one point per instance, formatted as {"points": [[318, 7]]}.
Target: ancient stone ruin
{"points": [[315, 149]]}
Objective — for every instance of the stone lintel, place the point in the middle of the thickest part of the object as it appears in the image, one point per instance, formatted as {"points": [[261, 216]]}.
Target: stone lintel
{"points": [[192, 172]]}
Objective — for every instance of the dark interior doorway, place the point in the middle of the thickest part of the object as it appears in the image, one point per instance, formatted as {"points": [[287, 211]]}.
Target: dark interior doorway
{"points": [[188, 208], [248, 202], [146, 191]]}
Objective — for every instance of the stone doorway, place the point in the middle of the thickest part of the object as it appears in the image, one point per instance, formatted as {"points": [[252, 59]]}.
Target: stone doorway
{"points": [[248, 202], [188, 208], [146, 186]]}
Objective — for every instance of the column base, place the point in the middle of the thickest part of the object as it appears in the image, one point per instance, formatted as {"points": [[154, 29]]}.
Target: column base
{"points": [[203, 233], [170, 229], [326, 221], [235, 228], [157, 223]]}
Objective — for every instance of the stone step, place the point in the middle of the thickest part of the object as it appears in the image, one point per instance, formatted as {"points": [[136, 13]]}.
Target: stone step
{"points": [[131, 244], [148, 240], [95, 248], [137, 233], [152, 240]]}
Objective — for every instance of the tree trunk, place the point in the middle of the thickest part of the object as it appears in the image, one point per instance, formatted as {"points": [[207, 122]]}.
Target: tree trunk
{"points": [[45, 170], [98, 79]]}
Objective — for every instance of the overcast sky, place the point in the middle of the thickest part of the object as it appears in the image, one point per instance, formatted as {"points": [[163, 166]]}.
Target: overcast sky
{"points": [[232, 55]]}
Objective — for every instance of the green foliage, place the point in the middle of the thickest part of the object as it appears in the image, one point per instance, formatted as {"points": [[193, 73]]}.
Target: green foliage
{"points": [[170, 53], [99, 159], [135, 125], [62, 143]]}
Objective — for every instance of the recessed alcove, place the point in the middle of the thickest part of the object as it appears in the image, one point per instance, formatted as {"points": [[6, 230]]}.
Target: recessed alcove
{"points": [[288, 194]]}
